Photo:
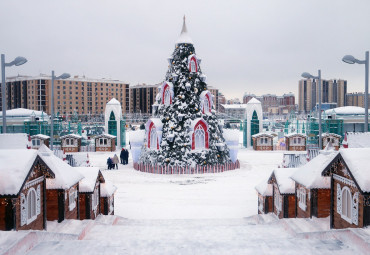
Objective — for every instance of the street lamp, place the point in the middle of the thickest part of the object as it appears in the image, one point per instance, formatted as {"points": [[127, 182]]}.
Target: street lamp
{"points": [[349, 59], [318, 77], [16, 62], [61, 77]]}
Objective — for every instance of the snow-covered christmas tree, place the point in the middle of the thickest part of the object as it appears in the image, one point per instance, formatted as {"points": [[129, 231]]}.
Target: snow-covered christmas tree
{"points": [[184, 130]]}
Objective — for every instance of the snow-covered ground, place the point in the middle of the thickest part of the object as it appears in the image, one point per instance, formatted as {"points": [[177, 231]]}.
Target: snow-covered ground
{"points": [[188, 214]]}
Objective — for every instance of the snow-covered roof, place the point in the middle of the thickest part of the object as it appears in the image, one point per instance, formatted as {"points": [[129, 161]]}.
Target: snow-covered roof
{"points": [[22, 112], [184, 36], [14, 141], [263, 134], [157, 123], [285, 184], [295, 134], [14, 168], [65, 175], [41, 136], [90, 174], [330, 134], [264, 188], [106, 135], [358, 140], [309, 175], [346, 110], [254, 101], [71, 135], [234, 106], [358, 161], [113, 101], [107, 189]]}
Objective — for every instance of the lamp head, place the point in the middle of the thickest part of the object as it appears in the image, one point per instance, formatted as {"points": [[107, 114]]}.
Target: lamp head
{"points": [[64, 76], [306, 75], [19, 61], [349, 59]]}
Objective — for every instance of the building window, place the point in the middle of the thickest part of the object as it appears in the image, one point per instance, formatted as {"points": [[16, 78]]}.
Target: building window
{"points": [[199, 138], [153, 138], [36, 142], [31, 205], [72, 199], [346, 204], [103, 141], [301, 194]]}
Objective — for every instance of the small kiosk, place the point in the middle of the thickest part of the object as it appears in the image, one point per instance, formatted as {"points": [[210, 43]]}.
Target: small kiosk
{"points": [[38, 140], [295, 142], [263, 142], [105, 142], [331, 137], [71, 143]]}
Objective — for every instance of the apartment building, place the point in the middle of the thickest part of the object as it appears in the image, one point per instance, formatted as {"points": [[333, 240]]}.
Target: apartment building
{"points": [[357, 99], [77, 94], [142, 97]]}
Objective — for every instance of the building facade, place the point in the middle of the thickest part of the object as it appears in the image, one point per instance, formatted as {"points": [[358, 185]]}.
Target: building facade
{"points": [[79, 95], [272, 103], [332, 91], [357, 99], [142, 97]]}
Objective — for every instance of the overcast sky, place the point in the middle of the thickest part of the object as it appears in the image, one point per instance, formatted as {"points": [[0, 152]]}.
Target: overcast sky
{"points": [[246, 46]]}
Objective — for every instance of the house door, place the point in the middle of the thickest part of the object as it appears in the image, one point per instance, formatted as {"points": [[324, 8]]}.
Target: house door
{"points": [[9, 215]]}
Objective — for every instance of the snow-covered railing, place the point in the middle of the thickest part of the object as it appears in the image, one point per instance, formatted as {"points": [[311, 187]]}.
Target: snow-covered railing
{"points": [[157, 169]]}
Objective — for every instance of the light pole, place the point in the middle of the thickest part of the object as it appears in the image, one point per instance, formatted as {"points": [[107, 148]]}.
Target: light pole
{"points": [[318, 77], [349, 59], [17, 62], [61, 77]]}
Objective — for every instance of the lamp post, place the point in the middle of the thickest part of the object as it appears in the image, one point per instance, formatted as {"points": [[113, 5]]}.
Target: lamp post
{"points": [[61, 77], [16, 62], [349, 59], [318, 77]]}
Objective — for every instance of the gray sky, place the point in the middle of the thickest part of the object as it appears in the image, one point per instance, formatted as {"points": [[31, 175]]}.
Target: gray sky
{"points": [[246, 46]]}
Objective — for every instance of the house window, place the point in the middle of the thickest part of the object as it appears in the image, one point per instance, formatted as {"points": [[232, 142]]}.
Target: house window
{"points": [[346, 204], [36, 142], [199, 138], [301, 194], [167, 97], [103, 141], [153, 138], [70, 141], [72, 199], [277, 201], [31, 205]]}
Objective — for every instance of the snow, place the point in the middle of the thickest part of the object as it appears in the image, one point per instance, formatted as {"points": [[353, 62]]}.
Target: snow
{"points": [[184, 36], [71, 135], [90, 174], [41, 136], [231, 134], [14, 141], [65, 175], [254, 101], [105, 135], [114, 101], [264, 188], [263, 134], [107, 189], [346, 110], [309, 175], [358, 139], [358, 161], [285, 183], [234, 106], [136, 140], [22, 112], [14, 168], [295, 134]]}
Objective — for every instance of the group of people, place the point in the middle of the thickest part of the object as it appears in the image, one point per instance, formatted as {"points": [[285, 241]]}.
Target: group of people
{"points": [[113, 162], [124, 156]]}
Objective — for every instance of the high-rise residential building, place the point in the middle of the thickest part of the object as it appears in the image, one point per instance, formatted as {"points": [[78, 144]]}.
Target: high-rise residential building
{"points": [[81, 95], [142, 97], [272, 103], [357, 99], [332, 91], [221, 99]]}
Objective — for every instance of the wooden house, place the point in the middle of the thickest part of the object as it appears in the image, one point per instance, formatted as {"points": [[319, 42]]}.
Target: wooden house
{"points": [[38, 140], [295, 142], [264, 191], [283, 192], [22, 190], [263, 142], [89, 199], [105, 142], [350, 186], [313, 189], [107, 191], [334, 139], [62, 191], [71, 143]]}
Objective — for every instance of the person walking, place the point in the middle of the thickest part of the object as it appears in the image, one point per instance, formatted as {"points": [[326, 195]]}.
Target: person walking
{"points": [[109, 163], [122, 156], [115, 161], [126, 156]]}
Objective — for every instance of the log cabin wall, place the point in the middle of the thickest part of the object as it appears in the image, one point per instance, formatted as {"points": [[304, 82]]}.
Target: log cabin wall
{"points": [[53, 198], [82, 205], [291, 206], [323, 203], [3, 202], [268, 204]]}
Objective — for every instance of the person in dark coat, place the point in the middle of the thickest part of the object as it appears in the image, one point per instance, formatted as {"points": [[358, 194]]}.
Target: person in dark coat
{"points": [[122, 156], [127, 155], [109, 163]]}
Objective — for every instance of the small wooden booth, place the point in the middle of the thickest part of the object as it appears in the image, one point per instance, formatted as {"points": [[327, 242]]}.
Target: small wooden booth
{"points": [[264, 191], [263, 142], [283, 188], [90, 192], [38, 140], [107, 191], [22, 198], [105, 142], [312, 189], [295, 142], [349, 172], [330, 137], [62, 191], [71, 143]]}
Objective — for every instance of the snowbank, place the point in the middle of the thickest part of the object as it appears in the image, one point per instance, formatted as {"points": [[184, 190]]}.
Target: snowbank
{"points": [[14, 141], [136, 141], [232, 140]]}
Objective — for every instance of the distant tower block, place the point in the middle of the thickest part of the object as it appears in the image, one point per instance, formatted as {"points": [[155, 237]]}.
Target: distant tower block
{"points": [[113, 117]]}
